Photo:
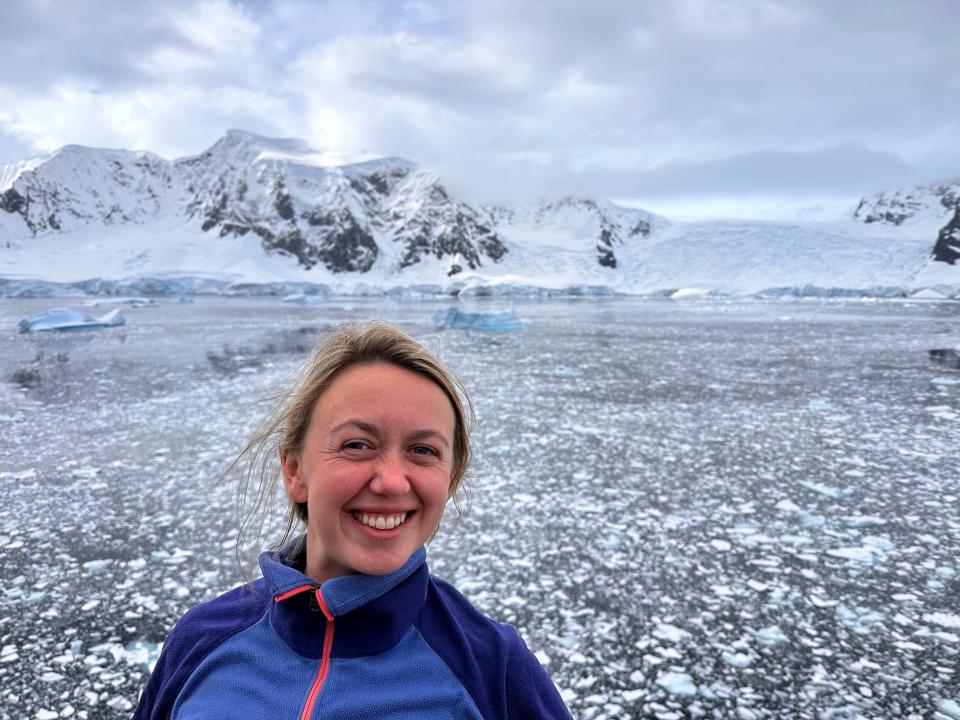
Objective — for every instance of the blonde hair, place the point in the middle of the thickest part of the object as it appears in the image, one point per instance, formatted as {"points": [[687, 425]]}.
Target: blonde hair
{"points": [[257, 467]]}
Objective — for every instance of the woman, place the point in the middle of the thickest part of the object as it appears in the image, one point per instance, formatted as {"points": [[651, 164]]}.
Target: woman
{"points": [[347, 621]]}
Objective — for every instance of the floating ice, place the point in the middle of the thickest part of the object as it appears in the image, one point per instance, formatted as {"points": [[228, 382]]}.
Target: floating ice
{"points": [[943, 412], [856, 554], [737, 660], [788, 506], [771, 636], [859, 619], [819, 405], [945, 381], [949, 708], [670, 633], [140, 653], [943, 619], [827, 490], [859, 521], [21, 475], [677, 683], [70, 320], [302, 299], [456, 319]]}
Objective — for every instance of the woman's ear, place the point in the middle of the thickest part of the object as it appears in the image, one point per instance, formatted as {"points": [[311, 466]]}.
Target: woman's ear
{"points": [[293, 480]]}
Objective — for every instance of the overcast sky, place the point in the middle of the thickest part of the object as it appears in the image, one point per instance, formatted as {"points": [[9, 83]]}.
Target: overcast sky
{"points": [[686, 107]]}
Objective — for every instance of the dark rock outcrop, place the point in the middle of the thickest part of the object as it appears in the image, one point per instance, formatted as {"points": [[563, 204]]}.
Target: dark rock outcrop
{"points": [[947, 247]]}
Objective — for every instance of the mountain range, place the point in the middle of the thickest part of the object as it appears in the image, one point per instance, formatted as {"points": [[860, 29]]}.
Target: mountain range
{"points": [[259, 210]]}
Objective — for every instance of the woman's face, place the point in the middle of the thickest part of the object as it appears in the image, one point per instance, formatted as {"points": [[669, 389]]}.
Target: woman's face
{"points": [[374, 470]]}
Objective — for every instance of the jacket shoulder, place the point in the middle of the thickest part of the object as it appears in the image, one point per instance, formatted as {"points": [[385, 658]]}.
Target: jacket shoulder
{"points": [[489, 658], [198, 632]]}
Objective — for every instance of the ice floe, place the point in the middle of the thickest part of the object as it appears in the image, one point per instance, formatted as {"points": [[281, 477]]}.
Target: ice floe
{"points": [[62, 319]]}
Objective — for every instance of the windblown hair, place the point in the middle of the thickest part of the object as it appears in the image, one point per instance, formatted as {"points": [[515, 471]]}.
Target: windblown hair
{"points": [[257, 468]]}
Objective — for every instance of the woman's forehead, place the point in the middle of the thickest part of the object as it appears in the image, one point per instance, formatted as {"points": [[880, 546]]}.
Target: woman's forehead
{"points": [[368, 392]]}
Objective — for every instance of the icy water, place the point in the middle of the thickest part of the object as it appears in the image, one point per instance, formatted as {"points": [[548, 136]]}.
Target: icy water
{"points": [[721, 509]]}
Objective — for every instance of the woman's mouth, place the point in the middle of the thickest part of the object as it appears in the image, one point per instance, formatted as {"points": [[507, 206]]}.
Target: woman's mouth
{"points": [[380, 521]]}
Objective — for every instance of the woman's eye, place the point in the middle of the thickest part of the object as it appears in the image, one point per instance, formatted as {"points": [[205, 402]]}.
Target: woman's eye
{"points": [[356, 445], [423, 450]]}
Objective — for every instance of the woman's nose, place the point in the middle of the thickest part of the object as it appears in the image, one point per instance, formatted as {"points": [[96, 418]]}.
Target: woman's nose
{"points": [[390, 477]]}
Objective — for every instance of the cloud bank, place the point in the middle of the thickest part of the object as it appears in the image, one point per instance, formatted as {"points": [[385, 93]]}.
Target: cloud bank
{"points": [[695, 101]]}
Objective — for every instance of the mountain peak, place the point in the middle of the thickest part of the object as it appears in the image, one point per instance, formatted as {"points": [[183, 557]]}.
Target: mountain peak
{"points": [[291, 146]]}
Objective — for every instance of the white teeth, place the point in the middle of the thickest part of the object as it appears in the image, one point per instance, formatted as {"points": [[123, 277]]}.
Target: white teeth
{"points": [[381, 522]]}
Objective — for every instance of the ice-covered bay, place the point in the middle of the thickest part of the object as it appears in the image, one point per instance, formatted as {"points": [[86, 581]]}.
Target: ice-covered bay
{"points": [[703, 508]]}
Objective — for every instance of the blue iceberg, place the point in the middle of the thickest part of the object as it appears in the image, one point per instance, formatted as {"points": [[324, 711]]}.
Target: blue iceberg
{"points": [[456, 319], [69, 320], [303, 299]]}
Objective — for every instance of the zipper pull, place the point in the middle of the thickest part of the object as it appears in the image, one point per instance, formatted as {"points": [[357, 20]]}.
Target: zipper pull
{"points": [[314, 605]]}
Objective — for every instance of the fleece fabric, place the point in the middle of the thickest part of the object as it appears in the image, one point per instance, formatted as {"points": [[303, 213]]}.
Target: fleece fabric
{"points": [[401, 645]]}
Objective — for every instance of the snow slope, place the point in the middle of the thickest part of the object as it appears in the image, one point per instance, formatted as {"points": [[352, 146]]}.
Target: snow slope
{"points": [[262, 210]]}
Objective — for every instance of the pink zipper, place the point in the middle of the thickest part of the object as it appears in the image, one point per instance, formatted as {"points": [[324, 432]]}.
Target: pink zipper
{"points": [[324, 669]]}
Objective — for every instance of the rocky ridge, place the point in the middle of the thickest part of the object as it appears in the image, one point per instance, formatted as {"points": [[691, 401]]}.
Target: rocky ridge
{"points": [[909, 204], [345, 218], [947, 248]]}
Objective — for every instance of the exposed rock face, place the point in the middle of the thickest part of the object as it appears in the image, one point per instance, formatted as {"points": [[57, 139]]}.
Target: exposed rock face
{"points": [[903, 205], [76, 186], [947, 247], [430, 223], [343, 218]]}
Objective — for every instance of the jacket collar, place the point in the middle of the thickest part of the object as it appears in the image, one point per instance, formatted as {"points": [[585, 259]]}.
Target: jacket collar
{"points": [[371, 612]]}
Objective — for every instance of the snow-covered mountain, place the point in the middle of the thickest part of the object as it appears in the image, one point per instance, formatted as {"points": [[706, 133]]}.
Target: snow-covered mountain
{"points": [[581, 223], [260, 210], [910, 205], [342, 218], [931, 210]]}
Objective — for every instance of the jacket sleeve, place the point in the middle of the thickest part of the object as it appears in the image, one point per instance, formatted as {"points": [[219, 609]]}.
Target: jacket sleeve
{"points": [[194, 637], [157, 698], [531, 693]]}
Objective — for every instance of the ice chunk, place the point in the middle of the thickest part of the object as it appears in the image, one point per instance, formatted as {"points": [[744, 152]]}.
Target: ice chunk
{"points": [[943, 619], [945, 381], [670, 633], [771, 636], [677, 683], [856, 554], [302, 299], [827, 490], [949, 708], [456, 319], [63, 319]]}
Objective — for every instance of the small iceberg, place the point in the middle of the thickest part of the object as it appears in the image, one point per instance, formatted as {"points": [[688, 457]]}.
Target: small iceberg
{"points": [[302, 299], [69, 320], [456, 319]]}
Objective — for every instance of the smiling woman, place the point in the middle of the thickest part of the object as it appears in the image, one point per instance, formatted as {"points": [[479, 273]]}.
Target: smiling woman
{"points": [[370, 443]]}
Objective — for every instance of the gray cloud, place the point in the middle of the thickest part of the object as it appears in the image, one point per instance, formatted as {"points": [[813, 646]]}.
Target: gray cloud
{"points": [[710, 98]]}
